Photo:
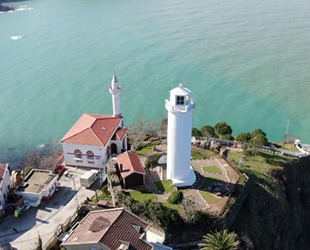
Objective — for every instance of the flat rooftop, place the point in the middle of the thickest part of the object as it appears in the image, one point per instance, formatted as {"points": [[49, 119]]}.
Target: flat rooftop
{"points": [[36, 181]]}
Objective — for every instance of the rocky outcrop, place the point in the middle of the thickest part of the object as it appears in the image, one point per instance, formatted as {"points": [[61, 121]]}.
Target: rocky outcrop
{"points": [[5, 8]]}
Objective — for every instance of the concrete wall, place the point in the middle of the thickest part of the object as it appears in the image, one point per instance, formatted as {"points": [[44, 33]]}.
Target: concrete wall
{"points": [[5, 187], [34, 199]]}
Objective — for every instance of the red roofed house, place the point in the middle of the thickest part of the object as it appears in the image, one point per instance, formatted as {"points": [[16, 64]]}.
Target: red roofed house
{"points": [[131, 170], [114, 229], [5, 184], [94, 138]]}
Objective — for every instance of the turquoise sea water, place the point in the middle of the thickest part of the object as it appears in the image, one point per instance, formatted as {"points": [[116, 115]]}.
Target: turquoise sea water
{"points": [[246, 62]]}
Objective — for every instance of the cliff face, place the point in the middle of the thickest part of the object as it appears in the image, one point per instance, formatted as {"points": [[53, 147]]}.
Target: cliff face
{"points": [[276, 213]]}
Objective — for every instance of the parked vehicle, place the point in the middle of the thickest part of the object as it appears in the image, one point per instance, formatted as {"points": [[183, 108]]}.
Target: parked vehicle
{"points": [[88, 178]]}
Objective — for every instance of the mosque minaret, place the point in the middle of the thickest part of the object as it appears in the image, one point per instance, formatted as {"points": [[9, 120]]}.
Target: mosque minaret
{"points": [[115, 90]]}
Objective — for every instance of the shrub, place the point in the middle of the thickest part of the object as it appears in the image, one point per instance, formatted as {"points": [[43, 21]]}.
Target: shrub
{"points": [[175, 197], [152, 160]]}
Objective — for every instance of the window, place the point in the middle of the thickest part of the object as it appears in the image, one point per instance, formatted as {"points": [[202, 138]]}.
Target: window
{"points": [[90, 155], [180, 100], [78, 154]]}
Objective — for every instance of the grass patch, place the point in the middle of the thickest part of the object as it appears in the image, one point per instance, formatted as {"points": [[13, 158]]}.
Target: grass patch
{"points": [[165, 186], [208, 197], [143, 196], [172, 206], [198, 155], [144, 150], [288, 147], [212, 169], [260, 163]]}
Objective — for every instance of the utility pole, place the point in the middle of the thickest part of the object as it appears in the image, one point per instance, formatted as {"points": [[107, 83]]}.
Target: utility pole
{"points": [[252, 150], [288, 123], [76, 197]]}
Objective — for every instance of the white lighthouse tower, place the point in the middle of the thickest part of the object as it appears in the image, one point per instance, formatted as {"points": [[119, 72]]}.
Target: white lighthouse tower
{"points": [[180, 108], [115, 90]]}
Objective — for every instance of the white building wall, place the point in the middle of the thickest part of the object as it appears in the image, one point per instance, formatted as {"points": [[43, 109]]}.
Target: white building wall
{"points": [[119, 145], [100, 156], [34, 199], [5, 187], [179, 145]]}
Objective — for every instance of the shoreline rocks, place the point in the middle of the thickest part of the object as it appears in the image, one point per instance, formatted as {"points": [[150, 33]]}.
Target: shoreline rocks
{"points": [[6, 8]]}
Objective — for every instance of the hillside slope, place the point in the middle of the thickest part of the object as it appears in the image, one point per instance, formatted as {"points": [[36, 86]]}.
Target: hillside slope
{"points": [[276, 213]]}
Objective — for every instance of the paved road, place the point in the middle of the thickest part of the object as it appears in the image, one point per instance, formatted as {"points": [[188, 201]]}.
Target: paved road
{"points": [[47, 217]]}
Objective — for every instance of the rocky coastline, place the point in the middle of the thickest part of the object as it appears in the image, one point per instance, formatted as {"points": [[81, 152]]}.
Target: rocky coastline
{"points": [[6, 8]]}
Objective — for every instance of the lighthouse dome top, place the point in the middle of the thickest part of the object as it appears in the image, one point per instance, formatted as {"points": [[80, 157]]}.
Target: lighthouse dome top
{"points": [[180, 91], [180, 100]]}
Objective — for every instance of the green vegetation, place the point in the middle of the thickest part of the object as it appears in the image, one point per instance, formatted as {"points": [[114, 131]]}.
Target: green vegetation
{"points": [[207, 131], [211, 169], [152, 160], [208, 197], [143, 196], [172, 206], [163, 216], [144, 150], [198, 155], [288, 146], [196, 132], [243, 137], [104, 194], [222, 128], [258, 164], [175, 197], [165, 186], [220, 241]]}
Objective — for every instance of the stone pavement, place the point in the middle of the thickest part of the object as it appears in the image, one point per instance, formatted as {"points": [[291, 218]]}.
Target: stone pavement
{"points": [[45, 219]]}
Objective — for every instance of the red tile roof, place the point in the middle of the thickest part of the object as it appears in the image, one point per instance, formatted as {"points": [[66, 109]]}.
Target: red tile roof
{"points": [[130, 163], [125, 229], [2, 170], [120, 134], [92, 129], [120, 225]]}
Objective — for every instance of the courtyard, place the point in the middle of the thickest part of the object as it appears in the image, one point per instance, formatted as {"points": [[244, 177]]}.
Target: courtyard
{"points": [[215, 181]]}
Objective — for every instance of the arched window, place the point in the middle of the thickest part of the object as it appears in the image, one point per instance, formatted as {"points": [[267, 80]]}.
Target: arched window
{"points": [[78, 154], [90, 155]]}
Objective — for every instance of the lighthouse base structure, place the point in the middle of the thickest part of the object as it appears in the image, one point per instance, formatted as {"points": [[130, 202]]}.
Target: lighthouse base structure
{"points": [[186, 182]]}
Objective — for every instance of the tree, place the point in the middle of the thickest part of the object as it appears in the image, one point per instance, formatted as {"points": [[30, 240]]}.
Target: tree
{"points": [[196, 133], [222, 128], [227, 137], [207, 130], [39, 243], [164, 126], [243, 137], [143, 130], [258, 140], [44, 157], [258, 131], [220, 241]]}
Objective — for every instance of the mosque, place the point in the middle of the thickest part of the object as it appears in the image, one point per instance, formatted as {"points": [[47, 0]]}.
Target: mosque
{"points": [[94, 138]]}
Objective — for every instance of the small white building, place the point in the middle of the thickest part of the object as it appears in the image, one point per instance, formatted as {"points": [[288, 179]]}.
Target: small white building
{"points": [[38, 185], [5, 185], [179, 135], [94, 138]]}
